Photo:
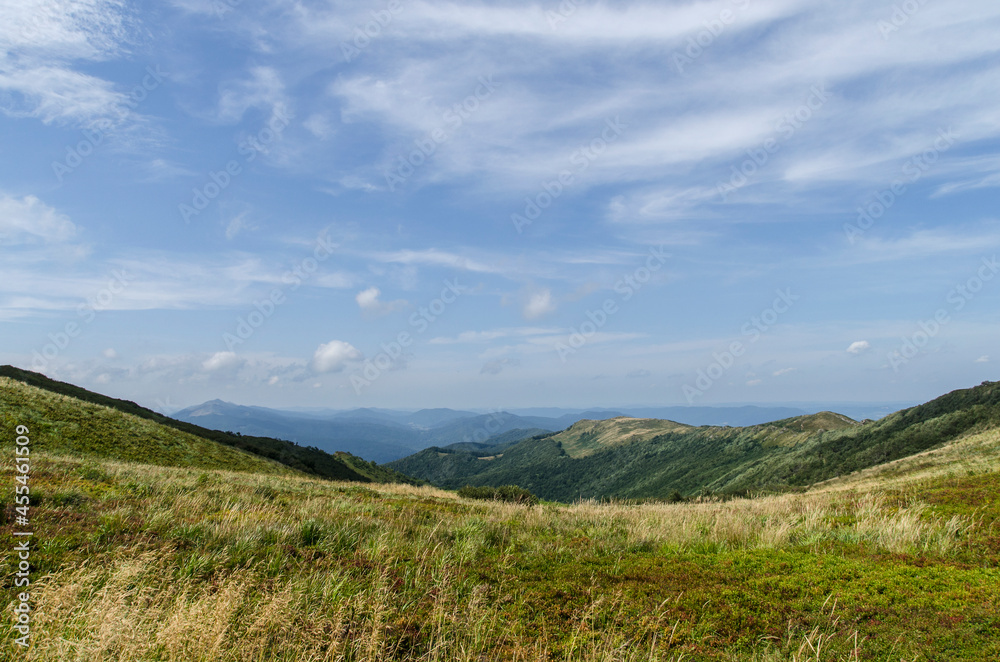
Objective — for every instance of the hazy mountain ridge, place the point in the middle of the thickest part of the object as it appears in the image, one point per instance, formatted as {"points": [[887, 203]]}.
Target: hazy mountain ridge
{"points": [[378, 435]]}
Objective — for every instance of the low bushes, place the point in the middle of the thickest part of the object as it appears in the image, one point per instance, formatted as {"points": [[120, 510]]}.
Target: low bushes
{"points": [[508, 493]]}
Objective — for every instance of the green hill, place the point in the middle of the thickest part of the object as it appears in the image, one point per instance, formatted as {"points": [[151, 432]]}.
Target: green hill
{"points": [[642, 458], [588, 437], [69, 420]]}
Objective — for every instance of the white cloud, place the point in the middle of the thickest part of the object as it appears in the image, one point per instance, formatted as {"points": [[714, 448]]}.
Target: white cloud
{"points": [[238, 224], [983, 359], [110, 353], [222, 361], [495, 334], [859, 347], [334, 356], [755, 382], [368, 301], [29, 219], [538, 304], [41, 43], [783, 371], [319, 125], [436, 258], [263, 90], [923, 243]]}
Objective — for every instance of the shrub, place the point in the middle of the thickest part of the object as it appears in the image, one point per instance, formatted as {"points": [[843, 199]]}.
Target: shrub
{"points": [[508, 493]]}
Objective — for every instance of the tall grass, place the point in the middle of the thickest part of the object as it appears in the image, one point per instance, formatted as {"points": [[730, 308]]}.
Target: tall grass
{"points": [[181, 565]]}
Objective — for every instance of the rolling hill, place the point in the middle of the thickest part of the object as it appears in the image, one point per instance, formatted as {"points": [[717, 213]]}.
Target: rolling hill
{"points": [[69, 420], [628, 458]]}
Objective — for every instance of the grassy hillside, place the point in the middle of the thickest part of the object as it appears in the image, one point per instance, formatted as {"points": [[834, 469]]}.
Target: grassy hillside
{"points": [[141, 563], [633, 458], [62, 425], [78, 422], [588, 437]]}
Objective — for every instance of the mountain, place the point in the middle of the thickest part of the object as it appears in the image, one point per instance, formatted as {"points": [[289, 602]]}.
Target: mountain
{"points": [[71, 420], [369, 434], [478, 429], [497, 443], [744, 415], [379, 435], [385, 435], [431, 418], [650, 458]]}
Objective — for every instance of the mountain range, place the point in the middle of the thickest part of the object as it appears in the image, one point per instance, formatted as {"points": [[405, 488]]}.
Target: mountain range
{"points": [[615, 457], [630, 458], [384, 435]]}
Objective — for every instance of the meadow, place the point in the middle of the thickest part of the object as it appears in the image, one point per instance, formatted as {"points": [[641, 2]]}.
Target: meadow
{"points": [[140, 562]]}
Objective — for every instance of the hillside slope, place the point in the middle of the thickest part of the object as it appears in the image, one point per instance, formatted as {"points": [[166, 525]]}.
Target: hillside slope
{"points": [[630, 458], [79, 422], [62, 425]]}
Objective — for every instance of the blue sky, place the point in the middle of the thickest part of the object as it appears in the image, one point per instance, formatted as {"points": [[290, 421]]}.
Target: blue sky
{"points": [[410, 204]]}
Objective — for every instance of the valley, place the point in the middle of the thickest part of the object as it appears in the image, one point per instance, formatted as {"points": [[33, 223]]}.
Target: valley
{"points": [[157, 543]]}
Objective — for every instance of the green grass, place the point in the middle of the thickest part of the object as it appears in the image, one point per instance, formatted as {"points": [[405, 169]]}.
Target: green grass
{"points": [[82, 422], [60, 424], [136, 562]]}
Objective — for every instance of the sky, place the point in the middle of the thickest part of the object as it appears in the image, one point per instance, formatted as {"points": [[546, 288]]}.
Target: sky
{"points": [[487, 205]]}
